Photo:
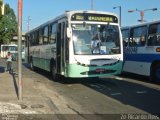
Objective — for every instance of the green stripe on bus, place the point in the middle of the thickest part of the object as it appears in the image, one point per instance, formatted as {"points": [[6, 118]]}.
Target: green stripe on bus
{"points": [[75, 70], [41, 63]]}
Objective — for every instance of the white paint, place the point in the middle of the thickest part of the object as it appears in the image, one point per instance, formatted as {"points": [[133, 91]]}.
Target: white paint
{"points": [[140, 68]]}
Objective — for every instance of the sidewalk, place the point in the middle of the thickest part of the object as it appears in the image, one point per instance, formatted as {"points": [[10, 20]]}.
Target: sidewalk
{"points": [[33, 101], [7, 88]]}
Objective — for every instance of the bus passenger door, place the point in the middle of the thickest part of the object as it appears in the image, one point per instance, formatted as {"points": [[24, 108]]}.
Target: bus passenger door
{"points": [[27, 57], [58, 60], [60, 48]]}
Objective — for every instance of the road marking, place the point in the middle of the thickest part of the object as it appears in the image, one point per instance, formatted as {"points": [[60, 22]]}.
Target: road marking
{"points": [[92, 85], [141, 92], [119, 78], [100, 87], [103, 86], [114, 94]]}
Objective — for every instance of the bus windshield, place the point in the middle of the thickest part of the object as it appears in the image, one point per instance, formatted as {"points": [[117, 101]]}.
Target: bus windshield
{"points": [[9, 48], [89, 39], [12, 48]]}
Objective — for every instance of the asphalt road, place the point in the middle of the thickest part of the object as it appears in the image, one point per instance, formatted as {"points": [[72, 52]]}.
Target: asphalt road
{"points": [[126, 95], [116, 95]]}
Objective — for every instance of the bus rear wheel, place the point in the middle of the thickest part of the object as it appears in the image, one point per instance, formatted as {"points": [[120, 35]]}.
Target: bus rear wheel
{"points": [[53, 72], [31, 65], [155, 75]]}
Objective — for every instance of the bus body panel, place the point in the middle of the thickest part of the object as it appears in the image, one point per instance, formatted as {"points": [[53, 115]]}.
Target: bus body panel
{"points": [[141, 68], [42, 55], [143, 58], [12, 48], [41, 63]]}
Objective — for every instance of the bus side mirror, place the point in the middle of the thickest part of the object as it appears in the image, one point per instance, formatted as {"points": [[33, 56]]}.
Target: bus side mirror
{"points": [[68, 33]]}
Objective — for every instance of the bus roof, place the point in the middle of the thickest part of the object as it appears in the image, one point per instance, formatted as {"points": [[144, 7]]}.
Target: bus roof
{"points": [[8, 45], [68, 14], [140, 24]]}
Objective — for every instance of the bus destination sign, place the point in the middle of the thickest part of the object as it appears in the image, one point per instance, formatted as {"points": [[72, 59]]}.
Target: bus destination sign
{"points": [[94, 17]]}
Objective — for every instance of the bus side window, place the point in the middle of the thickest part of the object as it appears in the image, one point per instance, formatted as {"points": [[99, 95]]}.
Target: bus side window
{"points": [[152, 40], [138, 36], [153, 35], [45, 35], [52, 36], [131, 39], [40, 37], [158, 40], [142, 40], [125, 34], [36, 37], [125, 42]]}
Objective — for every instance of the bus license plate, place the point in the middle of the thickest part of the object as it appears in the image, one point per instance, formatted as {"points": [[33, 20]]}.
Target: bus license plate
{"points": [[100, 70]]}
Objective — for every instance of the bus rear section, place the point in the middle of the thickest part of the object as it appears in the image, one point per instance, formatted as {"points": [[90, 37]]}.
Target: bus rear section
{"points": [[12, 48], [142, 49]]}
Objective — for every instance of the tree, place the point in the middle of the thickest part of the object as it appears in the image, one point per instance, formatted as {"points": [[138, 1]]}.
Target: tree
{"points": [[8, 25]]}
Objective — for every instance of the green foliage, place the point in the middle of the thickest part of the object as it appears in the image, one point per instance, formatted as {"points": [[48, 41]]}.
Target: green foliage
{"points": [[8, 25]]}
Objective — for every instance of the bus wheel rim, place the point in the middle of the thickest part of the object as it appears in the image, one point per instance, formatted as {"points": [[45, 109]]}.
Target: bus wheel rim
{"points": [[53, 71]]}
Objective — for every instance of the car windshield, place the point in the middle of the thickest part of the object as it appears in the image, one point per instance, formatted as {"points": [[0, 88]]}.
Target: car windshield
{"points": [[89, 39]]}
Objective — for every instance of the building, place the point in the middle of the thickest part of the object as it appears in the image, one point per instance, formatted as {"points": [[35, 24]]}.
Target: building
{"points": [[15, 39]]}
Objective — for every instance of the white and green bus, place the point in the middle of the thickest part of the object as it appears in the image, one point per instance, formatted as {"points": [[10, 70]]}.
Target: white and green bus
{"points": [[12, 48], [77, 44]]}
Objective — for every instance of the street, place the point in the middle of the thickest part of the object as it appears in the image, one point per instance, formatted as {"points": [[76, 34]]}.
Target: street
{"points": [[119, 95]]}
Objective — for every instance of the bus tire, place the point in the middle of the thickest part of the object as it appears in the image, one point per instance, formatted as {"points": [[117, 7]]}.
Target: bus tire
{"points": [[53, 71], [31, 65], [155, 73]]}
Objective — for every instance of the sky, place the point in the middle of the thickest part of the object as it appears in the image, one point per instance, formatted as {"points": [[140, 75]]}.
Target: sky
{"points": [[41, 11]]}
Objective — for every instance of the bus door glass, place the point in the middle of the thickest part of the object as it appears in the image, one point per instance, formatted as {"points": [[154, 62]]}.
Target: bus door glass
{"points": [[60, 47], [27, 49], [63, 46]]}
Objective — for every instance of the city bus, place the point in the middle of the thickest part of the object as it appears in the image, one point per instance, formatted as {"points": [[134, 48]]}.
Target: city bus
{"points": [[77, 44], [12, 48], [142, 49]]}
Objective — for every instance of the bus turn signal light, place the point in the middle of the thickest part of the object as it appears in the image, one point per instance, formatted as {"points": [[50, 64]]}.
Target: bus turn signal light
{"points": [[158, 49]]}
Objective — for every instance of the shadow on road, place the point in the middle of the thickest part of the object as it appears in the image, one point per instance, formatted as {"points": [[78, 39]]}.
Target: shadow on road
{"points": [[126, 90], [2, 69], [129, 93], [15, 83], [142, 78]]}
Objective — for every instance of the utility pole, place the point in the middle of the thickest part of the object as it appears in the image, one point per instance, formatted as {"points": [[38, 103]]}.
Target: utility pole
{"points": [[92, 2], [142, 13], [19, 49], [28, 24], [120, 19]]}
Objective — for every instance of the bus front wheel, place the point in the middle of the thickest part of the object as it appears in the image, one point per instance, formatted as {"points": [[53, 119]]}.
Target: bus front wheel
{"points": [[155, 73]]}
